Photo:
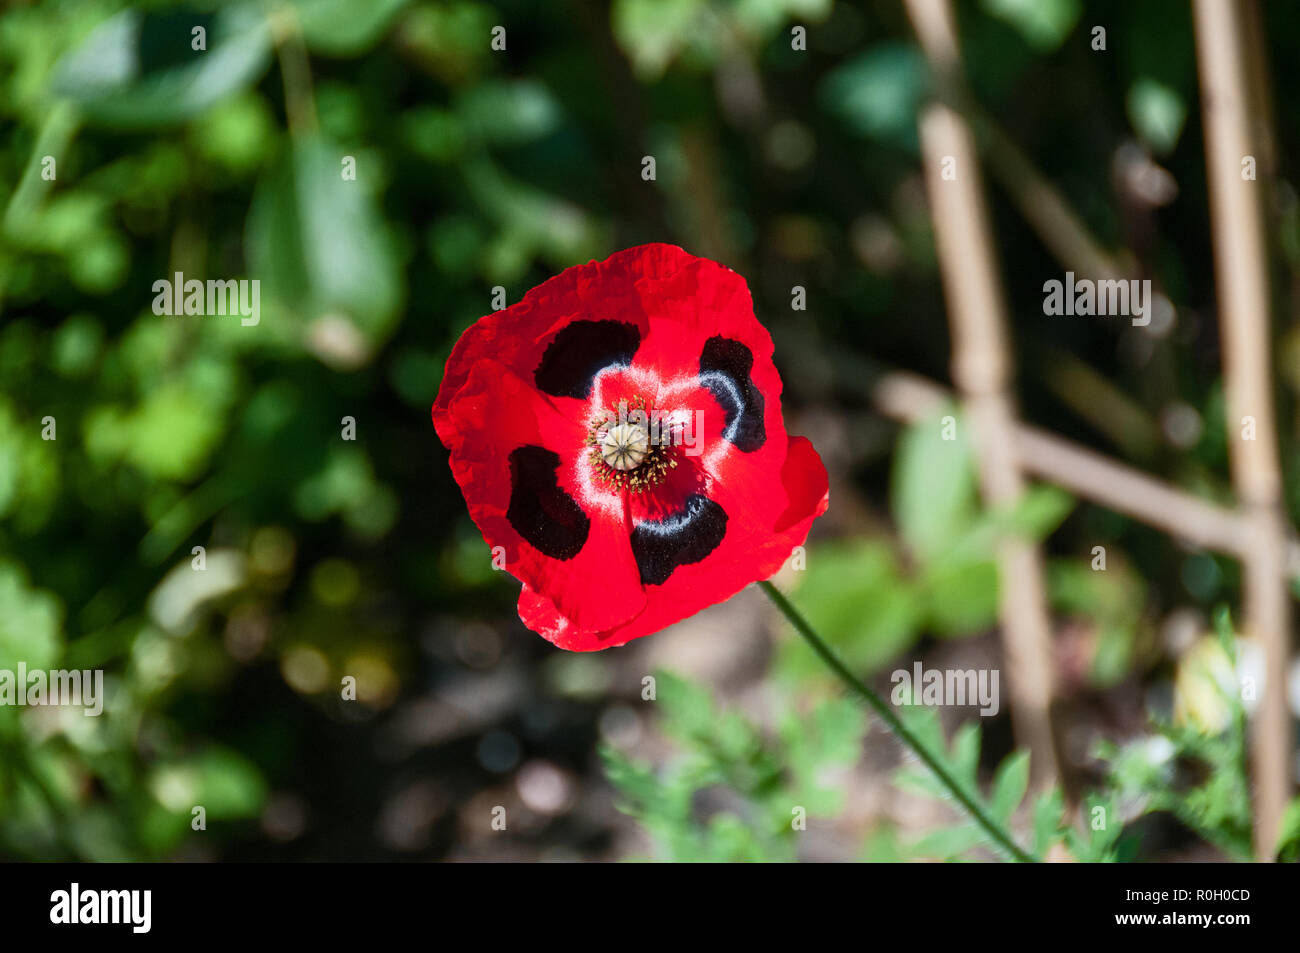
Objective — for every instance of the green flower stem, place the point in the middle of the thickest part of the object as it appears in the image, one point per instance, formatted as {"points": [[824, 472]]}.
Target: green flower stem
{"points": [[892, 721], [295, 70]]}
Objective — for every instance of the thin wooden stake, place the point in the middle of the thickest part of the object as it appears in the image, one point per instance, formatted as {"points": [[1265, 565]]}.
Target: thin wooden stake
{"points": [[981, 370], [1240, 264]]}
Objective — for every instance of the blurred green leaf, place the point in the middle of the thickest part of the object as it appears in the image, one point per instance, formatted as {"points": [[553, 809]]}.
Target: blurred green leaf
{"points": [[1038, 512], [1157, 113], [437, 135], [965, 754], [30, 622], [1288, 837], [1111, 600], [77, 345], [221, 781], [921, 781], [1047, 812], [949, 841], [530, 222], [1043, 23], [29, 471], [1009, 786], [239, 133], [345, 27], [878, 93], [509, 112], [924, 724], [961, 598], [1102, 826], [172, 433], [321, 249], [855, 595], [882, 846], [829, 737], [652, 32], [140, 70], [932, 487]]}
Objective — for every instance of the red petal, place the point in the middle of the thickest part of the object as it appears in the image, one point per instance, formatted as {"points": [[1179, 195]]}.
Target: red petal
{"points": [[757, 544], [496, 414], [518, 337]]}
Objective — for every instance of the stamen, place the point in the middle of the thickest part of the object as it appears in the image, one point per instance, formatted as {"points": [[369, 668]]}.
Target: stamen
{"points": [[624, 454]]}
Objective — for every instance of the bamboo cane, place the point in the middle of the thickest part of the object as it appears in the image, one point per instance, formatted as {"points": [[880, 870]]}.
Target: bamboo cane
{"points": [[1243, 301], [981, 370]]}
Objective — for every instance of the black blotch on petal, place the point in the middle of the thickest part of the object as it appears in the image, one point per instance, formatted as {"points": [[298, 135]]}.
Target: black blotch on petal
{"points": [[540, 511], [687, 536], [724, 372], [581, 351]]}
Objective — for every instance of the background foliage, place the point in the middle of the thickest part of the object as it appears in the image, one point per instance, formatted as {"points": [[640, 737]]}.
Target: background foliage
{"points": [[475, 169]]}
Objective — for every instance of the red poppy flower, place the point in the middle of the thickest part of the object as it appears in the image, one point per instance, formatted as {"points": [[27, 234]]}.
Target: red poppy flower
{"points": [[618, 432]]}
